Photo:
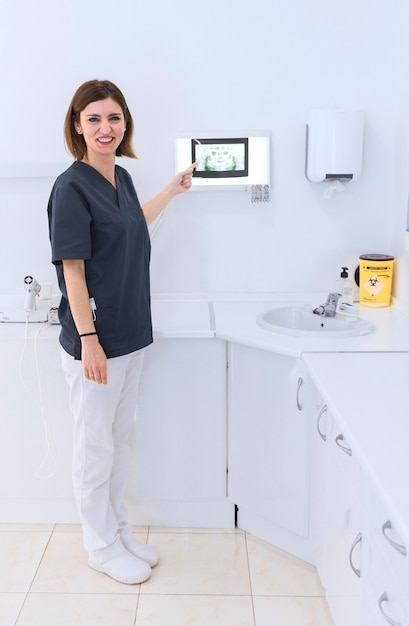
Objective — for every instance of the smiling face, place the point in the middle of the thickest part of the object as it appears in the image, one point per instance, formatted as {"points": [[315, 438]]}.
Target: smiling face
{"points": [[102, 125]]}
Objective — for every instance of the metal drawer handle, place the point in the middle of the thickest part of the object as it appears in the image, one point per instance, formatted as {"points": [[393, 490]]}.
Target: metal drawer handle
{"points": [[357, 540], [319, 418], [343, 448], [299, 385], [400, 548], [382, 599]]}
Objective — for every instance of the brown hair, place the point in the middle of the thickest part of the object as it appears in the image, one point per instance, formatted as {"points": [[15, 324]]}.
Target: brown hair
{"points": [[92, 91]]}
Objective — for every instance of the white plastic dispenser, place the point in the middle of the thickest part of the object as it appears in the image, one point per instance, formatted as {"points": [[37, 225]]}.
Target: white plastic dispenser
{"points": [[345, 287], [334, 145]]}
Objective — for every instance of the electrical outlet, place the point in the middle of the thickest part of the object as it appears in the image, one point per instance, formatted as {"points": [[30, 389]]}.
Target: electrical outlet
{"points": [[53, 315]]}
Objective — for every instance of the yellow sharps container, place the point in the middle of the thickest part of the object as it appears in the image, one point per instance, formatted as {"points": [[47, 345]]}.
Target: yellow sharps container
{"points": [[375, 279]]}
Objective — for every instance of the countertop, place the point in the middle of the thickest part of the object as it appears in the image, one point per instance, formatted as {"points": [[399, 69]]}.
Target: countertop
{"points": [[171, 318], [368, 396], [236, 322]]}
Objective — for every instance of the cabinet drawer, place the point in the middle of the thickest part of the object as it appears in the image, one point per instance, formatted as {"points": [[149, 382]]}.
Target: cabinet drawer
{"points": [[344, 457], [345, 480], [372, 614], [390, 541], [385, 590]]}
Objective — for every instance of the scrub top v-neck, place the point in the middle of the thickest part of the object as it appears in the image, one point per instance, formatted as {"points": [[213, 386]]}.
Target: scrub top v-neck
{"points": [[91, 220]]}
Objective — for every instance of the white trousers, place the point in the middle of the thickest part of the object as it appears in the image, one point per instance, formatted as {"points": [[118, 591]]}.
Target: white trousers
{"points": [[104, 417]]}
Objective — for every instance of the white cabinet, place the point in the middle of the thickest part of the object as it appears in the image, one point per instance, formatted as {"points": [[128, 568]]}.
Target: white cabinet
{"points": [[336, 516], [367, 490], [344, 531], [357, 545], [387, 597], [321, 427], [35, 432], [268, 448], [179, 448]]}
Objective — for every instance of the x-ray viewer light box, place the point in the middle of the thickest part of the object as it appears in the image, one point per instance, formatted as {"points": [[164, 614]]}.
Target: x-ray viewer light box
{"points": [[220, 158], [225, 162]]}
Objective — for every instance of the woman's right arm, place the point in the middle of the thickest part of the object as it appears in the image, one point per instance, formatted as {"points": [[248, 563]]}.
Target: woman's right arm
{"points": [[94, 361]]}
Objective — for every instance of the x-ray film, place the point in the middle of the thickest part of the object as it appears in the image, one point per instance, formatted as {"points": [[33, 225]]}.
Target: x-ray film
{"points": [[220, 158]]}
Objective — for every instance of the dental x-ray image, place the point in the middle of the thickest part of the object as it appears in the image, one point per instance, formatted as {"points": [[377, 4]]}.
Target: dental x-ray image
{"points": [[219, 158]]}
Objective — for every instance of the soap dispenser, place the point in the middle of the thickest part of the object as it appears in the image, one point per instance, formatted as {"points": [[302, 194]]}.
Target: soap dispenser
{"points": [[345, 288]]}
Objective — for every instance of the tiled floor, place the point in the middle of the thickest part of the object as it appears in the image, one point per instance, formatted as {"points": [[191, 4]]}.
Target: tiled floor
{"points": [[205, 577]]}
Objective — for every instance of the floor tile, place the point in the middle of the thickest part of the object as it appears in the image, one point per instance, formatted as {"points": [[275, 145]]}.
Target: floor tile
{"points": [[205, 576], [199, 531], [10, 605], [44, 609], [27, 527], [64, 569], [274, 572], [20, 555], [291, 611], [67, 528], [199, 564], [76, 528], [193, 610]]}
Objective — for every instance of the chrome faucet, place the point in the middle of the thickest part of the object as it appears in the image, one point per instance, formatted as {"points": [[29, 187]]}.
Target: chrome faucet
{"points": [[329, 307]]}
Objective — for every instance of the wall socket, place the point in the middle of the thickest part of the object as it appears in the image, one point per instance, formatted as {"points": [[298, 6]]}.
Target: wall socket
{"points": [[53, 315]]}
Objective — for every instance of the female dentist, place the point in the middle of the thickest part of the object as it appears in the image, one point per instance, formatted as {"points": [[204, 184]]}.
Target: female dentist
{"points": [[101, 250]]}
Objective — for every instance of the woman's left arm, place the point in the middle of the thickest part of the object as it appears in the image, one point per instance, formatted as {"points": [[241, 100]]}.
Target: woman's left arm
{"points": [[181, 182]]}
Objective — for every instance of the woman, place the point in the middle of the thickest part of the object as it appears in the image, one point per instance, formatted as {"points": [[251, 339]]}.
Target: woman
{"points": [[101, 249]]}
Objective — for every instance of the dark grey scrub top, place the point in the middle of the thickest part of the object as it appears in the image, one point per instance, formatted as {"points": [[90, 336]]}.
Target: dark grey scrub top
{"points": [[89, 219]]}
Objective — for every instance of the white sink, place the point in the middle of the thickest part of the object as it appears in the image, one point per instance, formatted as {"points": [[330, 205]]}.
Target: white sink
{"points": [[302, 322]]}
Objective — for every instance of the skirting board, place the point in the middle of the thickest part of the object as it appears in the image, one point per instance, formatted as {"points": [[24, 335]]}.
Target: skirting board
{"points": [[272, 533], [194, 514]]}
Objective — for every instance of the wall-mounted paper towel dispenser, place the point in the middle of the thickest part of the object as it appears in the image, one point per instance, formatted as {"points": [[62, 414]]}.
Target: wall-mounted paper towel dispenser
{"points": [[334, 145]]}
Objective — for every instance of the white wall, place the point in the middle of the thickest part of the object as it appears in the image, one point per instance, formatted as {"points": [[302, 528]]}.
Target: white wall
{"points": [[204, 66], [400, 205]]}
